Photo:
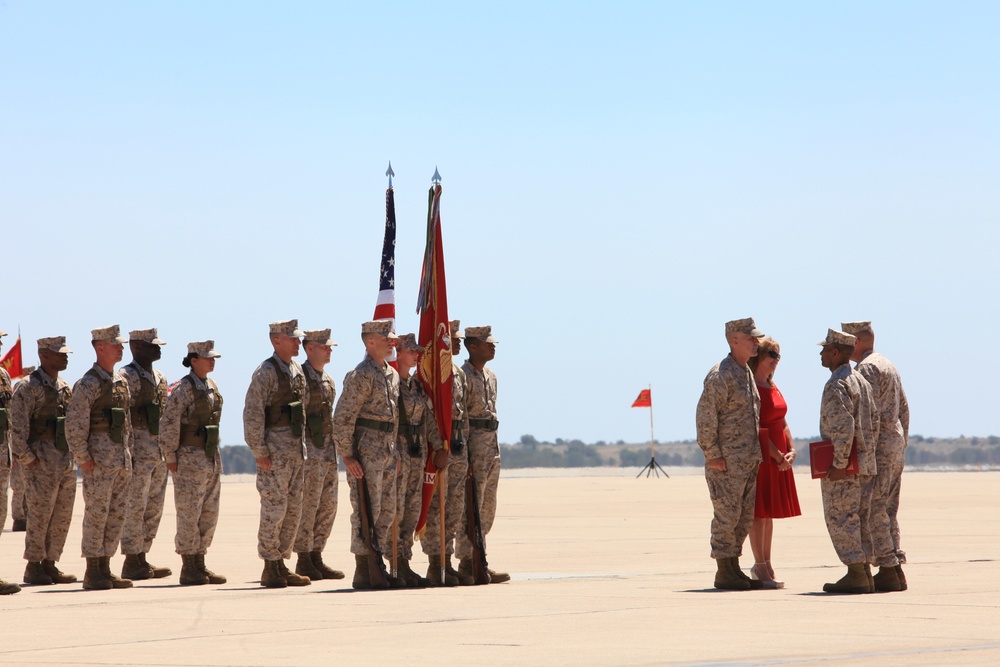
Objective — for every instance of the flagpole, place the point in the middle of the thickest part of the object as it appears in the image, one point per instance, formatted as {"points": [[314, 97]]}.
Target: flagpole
{"points": [[652, 440]]}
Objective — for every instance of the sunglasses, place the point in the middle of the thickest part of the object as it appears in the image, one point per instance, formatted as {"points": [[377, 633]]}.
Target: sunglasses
{"points": [[774, 355]]}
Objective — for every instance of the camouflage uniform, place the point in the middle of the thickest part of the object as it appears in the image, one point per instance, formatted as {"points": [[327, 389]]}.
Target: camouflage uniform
{"points": [[484, 449], [148, 486], [728, 417], [370, 394], [193, 404], [416, 432], [6, 391], [89, 433], [890, 451], [268, 429], [50, 486], [18, 494], [321, 485], [848, 415], [458, 467]]}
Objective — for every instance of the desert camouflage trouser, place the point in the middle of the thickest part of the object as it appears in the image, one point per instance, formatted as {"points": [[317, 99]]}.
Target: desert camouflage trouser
{"points": [[733, 493], [319, 505], [409, 489], [18, 494], [454, 508], [105, 494], [280, 491], [197, 487], [889, 463], [378, 458], [847, 508], [484, 453], [147, 490], [50, 493]]}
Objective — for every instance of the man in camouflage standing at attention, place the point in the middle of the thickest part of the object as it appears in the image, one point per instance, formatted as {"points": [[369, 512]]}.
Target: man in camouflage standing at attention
{"points": [[457, 463], [890, 454], [484, 448], [6, 391], [98, 430], [849, 419], [148, 487], [274, 429], [320, 488], [728, 418], [364, 431], [38, 414]]}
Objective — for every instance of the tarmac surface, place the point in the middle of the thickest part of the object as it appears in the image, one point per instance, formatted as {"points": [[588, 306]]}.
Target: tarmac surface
{"points": [[607, 570]]}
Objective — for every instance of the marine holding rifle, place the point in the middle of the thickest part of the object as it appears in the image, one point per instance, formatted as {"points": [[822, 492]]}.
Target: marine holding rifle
{"points": [[189, 442], [98, 431], [273, 427], [38, 442], [365, 422]]}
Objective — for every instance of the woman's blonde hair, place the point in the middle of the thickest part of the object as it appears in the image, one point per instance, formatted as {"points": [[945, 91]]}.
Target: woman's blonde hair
{"points": [[767, 344]]}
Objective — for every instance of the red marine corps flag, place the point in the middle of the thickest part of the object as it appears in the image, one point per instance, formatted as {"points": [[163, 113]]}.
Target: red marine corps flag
{"points": [[645, 399], [12, 362], [435, 368]]}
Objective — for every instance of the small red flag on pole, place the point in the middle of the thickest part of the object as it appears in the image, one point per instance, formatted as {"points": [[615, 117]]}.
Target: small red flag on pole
{"points": [[645, 399], [12, 362]]}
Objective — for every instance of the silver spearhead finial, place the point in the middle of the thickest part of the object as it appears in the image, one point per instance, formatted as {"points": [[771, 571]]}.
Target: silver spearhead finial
{"points": [[390, 173], [436, 178]]}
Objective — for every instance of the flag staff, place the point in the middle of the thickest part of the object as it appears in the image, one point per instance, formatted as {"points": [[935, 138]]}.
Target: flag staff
{"points": [[651, 467], [443, 473]]}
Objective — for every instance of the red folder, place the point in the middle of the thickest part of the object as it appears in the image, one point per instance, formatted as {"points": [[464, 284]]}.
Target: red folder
{"points": [[821, 458]]}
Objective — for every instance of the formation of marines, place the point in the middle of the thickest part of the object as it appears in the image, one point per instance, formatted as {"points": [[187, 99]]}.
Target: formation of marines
{"points": [[863, 412], [126, 429]]}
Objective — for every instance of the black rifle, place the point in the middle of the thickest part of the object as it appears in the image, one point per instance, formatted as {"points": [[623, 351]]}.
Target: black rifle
{"points": [[376, 566], [474, 531]]}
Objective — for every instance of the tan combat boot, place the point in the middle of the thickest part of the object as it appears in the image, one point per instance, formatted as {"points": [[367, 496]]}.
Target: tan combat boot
{"points": [[304, 566], [271, 577], [154, 571], [327, 571], [116, 581], [36, 575], [57, 575], [213, 578], [755, 584], [726, 579], [93, 578], [291, 578], [901, 576], [463, 574], [133, 568], [852, 583], [362, 579], [191, 574], [434, 572], [887, 580], [412, 579], [8, 588]]}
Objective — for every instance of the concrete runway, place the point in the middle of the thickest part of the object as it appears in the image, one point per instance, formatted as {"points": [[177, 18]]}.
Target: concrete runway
{"points": [[607, 570]]}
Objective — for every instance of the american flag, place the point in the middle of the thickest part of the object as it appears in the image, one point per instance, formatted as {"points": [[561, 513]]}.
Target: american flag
{"points": [[385, 304]]}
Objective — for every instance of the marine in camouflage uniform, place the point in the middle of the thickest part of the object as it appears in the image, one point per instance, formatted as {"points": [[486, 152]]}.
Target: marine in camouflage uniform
{"points": [[484, 448], [453, 466], [189, 442], [38, 441], [365, 422], [98, 430], [728, 419], [148, 486], [322, 481], [6, 390], [848, 418], [418, 433], [18, 497], [890, 452], [274, 429]]}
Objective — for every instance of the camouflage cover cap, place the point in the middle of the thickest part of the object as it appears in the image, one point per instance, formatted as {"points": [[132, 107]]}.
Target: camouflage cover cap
{"points": [[112, 334], [2, 333], [321, 336], [288, 328], [834, 337], [54, 343], [482, 333], [380, 327], [409, 342], [146, 336], [855, 328], [746, 325], [28, 370], [456, 329], [205, 349]]}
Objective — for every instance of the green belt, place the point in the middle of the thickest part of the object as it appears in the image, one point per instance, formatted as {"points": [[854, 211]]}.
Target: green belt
{"points": [[375, 425], [485, 424]]}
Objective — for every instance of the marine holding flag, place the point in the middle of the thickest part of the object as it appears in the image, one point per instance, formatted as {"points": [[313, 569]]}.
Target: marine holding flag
{"points": [[5, 394]]}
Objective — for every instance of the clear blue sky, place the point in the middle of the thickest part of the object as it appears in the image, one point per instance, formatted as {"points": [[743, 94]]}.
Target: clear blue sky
{"points": [[619, 180]]}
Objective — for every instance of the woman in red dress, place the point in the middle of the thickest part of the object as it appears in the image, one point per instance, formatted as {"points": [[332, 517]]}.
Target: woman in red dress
{"points": [[776, 497]]}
